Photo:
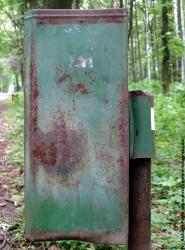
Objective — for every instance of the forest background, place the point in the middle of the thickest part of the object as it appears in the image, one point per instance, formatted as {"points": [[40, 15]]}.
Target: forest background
{"points": [[156, 65]]}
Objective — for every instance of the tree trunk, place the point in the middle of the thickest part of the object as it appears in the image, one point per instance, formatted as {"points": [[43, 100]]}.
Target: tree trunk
{"points": [[148, 54], [157, 50], [121, 3], [153, 29], [77, 4], [179, 20], [16, 82], [138, 45], [165, 45], [132, 59], [57, 4], [131, 19], [111, 4], [183, 38]]}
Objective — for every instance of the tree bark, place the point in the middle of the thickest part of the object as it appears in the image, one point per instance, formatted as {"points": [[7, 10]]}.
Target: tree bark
{"points": [[165, 45], [148, 53], [121, 3], [77, 2], [138, 45], [131, 19], [183, 38], [112, 4], [132, 59], [179, 20], [57, 4], [17, 82]]}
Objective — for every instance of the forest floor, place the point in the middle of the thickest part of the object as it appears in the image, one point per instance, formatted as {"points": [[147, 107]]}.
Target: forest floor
{"points": [[8, 174]]}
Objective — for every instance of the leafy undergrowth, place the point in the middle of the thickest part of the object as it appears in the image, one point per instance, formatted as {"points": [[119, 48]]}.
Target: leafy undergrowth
{"points": [[15, 117], [166, 170]]}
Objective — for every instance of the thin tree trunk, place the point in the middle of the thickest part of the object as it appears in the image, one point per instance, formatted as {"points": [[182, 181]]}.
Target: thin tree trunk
{"points": [[57, 4], [17, 82], [77, 4], [165, 45], [138, 44], [131, 19], [152, 44], [112, 4], [183, 39], [175, 70], [145, 47], [157, 51], [22, 73], [179, 19], [132, 59], [136, 57], [147, 41]]}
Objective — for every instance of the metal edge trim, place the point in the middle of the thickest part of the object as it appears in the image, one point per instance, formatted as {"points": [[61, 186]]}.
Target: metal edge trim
{"points": [[48, 13]]}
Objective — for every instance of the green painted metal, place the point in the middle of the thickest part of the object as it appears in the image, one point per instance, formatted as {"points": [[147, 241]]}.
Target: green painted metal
{"points": [[141, 125], [76, 126]]}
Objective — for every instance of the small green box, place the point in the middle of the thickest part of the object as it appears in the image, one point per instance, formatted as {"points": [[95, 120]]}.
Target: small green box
{"points": [[141, 118]]}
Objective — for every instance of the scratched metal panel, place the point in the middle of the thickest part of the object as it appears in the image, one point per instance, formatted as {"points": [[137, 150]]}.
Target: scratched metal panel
{"points": [[76, 126]]}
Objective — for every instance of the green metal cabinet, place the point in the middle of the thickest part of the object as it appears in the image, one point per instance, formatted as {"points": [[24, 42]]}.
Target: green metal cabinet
{"points": [[76, 125], [81, 125]]}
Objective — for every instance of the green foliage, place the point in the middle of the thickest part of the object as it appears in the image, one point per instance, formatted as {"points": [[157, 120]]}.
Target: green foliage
{"points": [[16, 117], [177, 46]]}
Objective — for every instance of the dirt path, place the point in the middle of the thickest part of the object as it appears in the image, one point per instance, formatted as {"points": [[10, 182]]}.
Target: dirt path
{"points": [[8, 174]]}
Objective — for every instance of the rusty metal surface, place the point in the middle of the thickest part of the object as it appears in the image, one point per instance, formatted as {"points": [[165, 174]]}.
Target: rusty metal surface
{"points": [[76, 130], [140, 204], [78, 16]]}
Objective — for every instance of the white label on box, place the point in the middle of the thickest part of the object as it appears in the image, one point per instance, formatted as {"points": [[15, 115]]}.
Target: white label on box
{"points": [[152, 119]]}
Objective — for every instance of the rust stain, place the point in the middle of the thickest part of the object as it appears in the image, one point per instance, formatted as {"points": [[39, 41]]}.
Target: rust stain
{"points": [[33, 100], [78, 88], [60, 148], [64, 78], [123, 134], [81, 16], [103, 236], [80, 20]]}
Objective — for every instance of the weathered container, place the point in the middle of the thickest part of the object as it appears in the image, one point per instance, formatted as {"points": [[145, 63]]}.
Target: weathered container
{"points": [[141, 125], [76, 125]]}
